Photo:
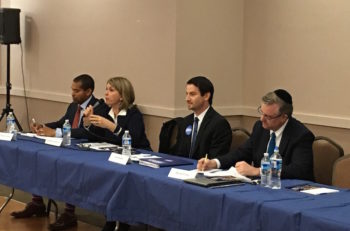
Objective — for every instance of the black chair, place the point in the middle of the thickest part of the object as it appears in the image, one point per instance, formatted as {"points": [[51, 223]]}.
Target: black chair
{"points": [[239, 136], [168, 135], [326, 152]]}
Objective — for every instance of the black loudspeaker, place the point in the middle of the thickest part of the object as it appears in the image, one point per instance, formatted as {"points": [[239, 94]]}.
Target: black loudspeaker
{"points": [[9, 26]]}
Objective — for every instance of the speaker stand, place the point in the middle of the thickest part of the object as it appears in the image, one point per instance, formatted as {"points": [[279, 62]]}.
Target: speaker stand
{"points": [[8, 109]]}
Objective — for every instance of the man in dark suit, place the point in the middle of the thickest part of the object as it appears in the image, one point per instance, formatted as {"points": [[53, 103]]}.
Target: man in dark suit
{"points": [[82, 89], [291, 136], [211, 134], [82, 95]]}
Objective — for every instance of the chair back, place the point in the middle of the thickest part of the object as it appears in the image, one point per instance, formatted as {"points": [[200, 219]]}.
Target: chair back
{"points": [[168, 136], [341, 173], [326, 152], [239, 136]]}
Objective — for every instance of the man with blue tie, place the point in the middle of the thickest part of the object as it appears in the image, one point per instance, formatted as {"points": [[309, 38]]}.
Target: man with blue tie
{"points": [[204, 132], [276, 127]]}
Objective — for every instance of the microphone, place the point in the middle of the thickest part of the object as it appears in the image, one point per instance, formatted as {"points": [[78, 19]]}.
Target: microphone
{"points": [[98, 102]]}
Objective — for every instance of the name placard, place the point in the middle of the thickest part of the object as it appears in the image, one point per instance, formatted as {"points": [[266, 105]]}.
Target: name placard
{"points": [[118, 158], [6, 136], [53, 141], [181, 174]]}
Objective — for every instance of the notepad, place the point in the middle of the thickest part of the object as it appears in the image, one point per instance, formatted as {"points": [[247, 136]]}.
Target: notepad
{"points": [[214, 182], [230, 172], [98, 146]]}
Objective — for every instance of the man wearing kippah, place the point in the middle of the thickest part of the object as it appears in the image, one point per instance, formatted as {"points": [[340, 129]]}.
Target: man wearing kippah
{"points": [[290, 135]]}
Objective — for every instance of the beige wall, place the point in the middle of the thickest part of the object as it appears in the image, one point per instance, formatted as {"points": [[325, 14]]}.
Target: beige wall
{"points": [[106, 38], [209, 42], [157, 44], [303, 46], [246, 47]]}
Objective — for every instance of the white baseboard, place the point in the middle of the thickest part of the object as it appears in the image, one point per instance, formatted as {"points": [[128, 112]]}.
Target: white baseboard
{"points": [[37, 94]]}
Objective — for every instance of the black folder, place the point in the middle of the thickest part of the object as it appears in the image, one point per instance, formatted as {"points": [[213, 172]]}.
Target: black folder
{"points": [[168, 161], [214, 182]]}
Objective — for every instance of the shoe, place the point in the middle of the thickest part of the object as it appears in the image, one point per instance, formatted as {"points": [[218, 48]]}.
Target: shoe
{"points": [[109, 226], [123, 226], [65, 221], [31, 209]]}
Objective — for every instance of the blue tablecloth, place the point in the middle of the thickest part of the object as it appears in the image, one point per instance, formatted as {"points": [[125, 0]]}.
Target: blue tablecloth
{"points": [[136, 193]]}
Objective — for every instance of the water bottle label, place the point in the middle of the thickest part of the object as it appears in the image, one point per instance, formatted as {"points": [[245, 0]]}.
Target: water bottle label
{"points": [[276, 164], [265, 166], [126, 141], [66, 130], [279, 164], [273, 163]]}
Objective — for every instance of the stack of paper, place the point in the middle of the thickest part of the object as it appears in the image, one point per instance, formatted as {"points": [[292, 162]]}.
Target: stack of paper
{"points": [[100, 146], [231, 172]]}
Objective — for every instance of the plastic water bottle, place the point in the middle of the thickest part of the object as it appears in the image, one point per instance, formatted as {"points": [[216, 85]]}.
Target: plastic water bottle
{"points": [[276, 169], [126, 142], [66, 133], [11, 125], [265, 171]]}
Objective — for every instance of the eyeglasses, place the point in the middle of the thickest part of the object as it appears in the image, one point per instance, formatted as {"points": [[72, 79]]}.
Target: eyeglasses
{"points": [[267, 116]]}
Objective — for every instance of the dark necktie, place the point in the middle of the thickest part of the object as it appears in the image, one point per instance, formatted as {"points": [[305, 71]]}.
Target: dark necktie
{"points": [[75, 123], [194, 136], [272, 144]]}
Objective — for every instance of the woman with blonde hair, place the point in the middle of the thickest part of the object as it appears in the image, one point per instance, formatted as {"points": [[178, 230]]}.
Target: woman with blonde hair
{"points": [[123, 115]]}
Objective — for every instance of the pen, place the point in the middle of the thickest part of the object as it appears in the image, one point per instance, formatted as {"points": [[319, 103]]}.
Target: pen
{"points": [[37, 126], [205, 159]]}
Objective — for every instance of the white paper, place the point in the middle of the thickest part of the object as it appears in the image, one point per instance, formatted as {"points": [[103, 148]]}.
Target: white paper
{"points": [[318, 191], [231, 172], [40, 137], [118, 158], [182, 174], [6, 136], [137, 157], [27, 134], [54, 141], [99, 146]]}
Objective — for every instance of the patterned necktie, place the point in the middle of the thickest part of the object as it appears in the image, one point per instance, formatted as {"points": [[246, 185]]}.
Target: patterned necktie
{"points": [[272, 144], [194, 136], [76, 118]]}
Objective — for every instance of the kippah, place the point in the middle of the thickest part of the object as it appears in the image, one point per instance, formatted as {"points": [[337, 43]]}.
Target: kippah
{"points": [[284, 95]]}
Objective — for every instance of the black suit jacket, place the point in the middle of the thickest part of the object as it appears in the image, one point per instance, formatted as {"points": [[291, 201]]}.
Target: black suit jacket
{"points": [[70, 113], [132, 121], [295, 149], [214, 136]]}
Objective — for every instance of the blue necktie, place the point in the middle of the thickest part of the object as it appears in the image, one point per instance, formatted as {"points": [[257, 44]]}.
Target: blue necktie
{"points": [[194, 136], [272, 144]]}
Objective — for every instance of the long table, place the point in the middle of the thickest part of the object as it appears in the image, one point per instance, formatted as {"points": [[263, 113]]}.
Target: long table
{"points": [[138, 194]]}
